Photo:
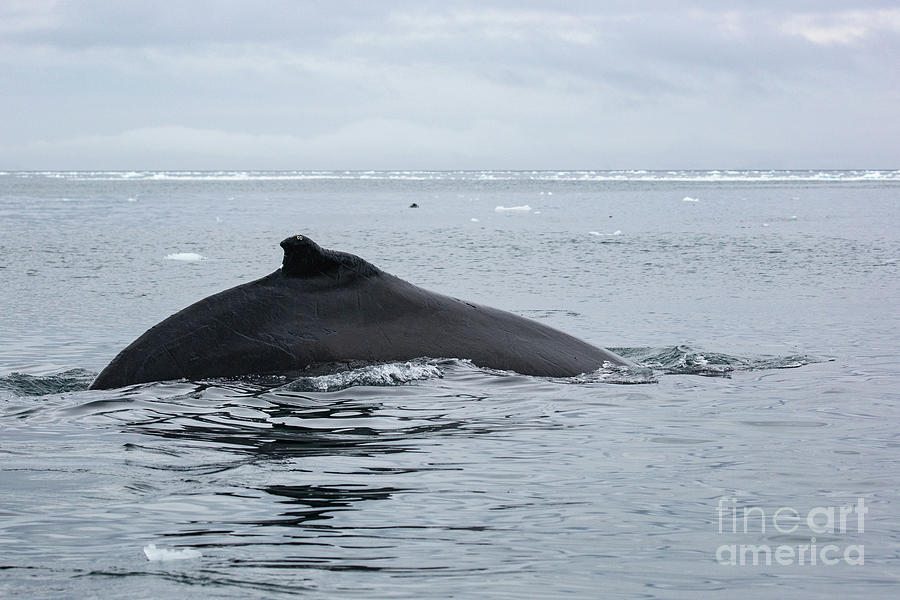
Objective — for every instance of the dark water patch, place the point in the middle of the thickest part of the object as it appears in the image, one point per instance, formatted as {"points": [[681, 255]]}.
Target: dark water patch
{"points": [[318, 501]]}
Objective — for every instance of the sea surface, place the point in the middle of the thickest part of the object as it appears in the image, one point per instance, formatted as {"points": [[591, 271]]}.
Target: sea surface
{"points": [[766, 430]]}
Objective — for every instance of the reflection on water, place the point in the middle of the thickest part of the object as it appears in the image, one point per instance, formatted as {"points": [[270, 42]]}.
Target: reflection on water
{"points": [[471, 483]]}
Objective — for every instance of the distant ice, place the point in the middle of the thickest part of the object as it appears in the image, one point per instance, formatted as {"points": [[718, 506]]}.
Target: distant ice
{"points": [[185, 256], [620, 175], [132, 199], [153, 553], [523, 208], [474, 220], [689, 199], [616, 232]]}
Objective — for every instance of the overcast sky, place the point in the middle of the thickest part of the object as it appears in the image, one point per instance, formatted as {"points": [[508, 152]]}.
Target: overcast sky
{"points": [[449, 85]]}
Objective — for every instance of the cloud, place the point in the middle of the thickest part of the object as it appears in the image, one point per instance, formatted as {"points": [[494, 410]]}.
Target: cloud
{"points": [[435, 85], [844, 27], [366, 144]]}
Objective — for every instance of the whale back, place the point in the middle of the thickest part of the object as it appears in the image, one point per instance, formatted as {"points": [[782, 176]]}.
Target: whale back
{"points": [[326, 307]]}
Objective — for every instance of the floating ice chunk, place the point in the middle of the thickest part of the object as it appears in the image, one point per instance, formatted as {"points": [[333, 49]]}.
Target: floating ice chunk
{"points": [[153, 553], [537, 212], [793, 217], [523, 208], [689, 199], [474, 220], [185, 256], [132, 199], [594, 233], [616, 232]]}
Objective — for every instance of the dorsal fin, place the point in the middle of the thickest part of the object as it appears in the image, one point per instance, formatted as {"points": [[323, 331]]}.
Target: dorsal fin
{"points": [[305, 258]]}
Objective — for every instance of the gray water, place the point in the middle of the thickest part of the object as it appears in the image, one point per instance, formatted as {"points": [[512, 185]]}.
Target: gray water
{"points": [[764, 302]]}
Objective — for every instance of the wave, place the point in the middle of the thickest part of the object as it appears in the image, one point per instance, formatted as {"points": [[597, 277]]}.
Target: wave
{"points": [[21, 384], [397, 373], [860, 175], [684, 360], [671, 360]]}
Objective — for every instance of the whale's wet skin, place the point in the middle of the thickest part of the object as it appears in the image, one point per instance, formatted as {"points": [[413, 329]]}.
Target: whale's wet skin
{"points": [[324, 308], [762, 310]]}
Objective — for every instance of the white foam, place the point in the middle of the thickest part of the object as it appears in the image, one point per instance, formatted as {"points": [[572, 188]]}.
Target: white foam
{"points": [[689, 199], [184, 256], [616, 232], [154, 554], [523, 208], [132, 199], [397, 373]]}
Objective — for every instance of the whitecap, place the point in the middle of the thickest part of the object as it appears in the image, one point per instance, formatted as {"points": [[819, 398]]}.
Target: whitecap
{"points": [[184, 256], [689, 199], [474, 220], [523, 208]]}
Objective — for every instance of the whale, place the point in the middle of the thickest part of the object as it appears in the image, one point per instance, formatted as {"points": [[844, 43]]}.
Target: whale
{"points": [[324, 309]]}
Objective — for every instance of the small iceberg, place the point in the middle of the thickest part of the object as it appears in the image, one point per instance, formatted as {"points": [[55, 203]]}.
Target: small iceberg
{"points": [[523, 208], [157, 554], [689, 199], [185, 256]]}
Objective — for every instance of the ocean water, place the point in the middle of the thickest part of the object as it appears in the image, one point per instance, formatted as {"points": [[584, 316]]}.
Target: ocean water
{"points": [[758, 458]]}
